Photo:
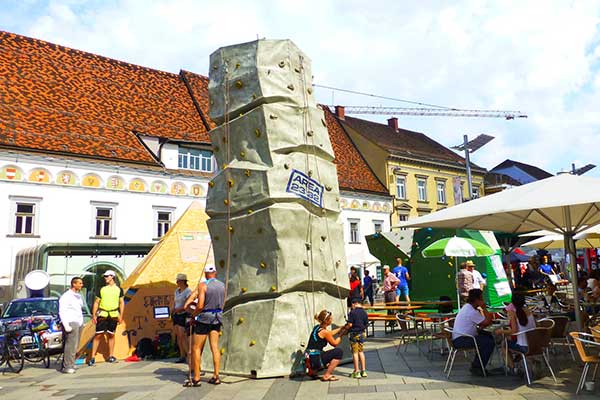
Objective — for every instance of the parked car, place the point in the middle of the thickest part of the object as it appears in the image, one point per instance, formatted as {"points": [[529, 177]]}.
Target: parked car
{"points": [[38, 308]]}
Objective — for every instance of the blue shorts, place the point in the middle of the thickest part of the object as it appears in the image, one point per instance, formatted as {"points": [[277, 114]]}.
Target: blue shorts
{"points": [[402, 291]]}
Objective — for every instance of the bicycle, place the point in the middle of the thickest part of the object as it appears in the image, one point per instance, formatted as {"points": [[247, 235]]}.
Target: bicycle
{"points": [[10, 348], [34, 343]]}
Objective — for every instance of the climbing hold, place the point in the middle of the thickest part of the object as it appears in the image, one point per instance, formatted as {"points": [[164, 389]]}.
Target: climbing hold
{"points": [[323, 122], [309, 90], [212, 102], [211, 184], [297, 69], [290, 86], [244, 290], [220, 333], [217, 148], [225, 166], [224, 139], [323, 211], [247, 172], [222, 263], [241, 319], [335, 279], [450, 264], [309, 133], [254, 96], [281, 64], [273, 116], [448, 276], [263, 265], [323, 238], [328, 188], [230, 182], [257, 132], [250, 211], [310, 172], [401, 237], [259, 230], [237, 65], [217, 237], [338, 263], [231, 229], [252, 342], [305, 263], [242, 154], [273, 288], [215, 67], [286, 166], [222, 350], [226, 202], [307, 246], [234, 255], [239, 84]]}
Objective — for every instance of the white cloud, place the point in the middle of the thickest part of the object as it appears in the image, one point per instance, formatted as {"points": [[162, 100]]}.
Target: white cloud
{"points": [[541, 57]]}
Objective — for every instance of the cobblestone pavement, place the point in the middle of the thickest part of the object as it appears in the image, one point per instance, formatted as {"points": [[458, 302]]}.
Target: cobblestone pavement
{"points": [[408, 375]]}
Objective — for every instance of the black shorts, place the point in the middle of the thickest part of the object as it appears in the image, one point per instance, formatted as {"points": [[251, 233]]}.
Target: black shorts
{"points": [[333, 354], [108, 325], [180, 319], [204, 329]]}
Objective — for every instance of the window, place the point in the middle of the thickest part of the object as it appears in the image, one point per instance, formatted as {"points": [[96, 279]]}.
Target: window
{"points": [[199, 160], [163, 223], [24, 215], [441, 192], [24, 219], [354, 231], [422, 189], [402, 218], [401, 187], [103, 215], [377, 226]]}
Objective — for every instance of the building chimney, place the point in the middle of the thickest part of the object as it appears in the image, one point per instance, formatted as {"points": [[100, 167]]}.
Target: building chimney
{"points": [[393, 123], [340, 112]]}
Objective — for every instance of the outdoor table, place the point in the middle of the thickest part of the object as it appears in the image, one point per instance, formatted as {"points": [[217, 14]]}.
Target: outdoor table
{"points": [[393, 308]]}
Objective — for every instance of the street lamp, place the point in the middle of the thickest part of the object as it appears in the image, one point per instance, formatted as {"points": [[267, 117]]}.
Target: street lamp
{"points": [[471, 147]]}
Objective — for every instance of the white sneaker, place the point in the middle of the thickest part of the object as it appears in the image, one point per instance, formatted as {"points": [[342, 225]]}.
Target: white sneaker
{"points": [[68, 371]]}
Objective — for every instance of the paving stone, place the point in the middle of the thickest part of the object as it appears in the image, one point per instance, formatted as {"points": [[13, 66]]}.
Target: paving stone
{"points": [[397, 387], [422, 395], [473, 392], [352, 389], [282, 389], [370, 396]]}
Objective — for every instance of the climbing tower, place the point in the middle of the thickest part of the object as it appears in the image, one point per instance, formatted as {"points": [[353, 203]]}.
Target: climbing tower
{"points": [[273, 207]]}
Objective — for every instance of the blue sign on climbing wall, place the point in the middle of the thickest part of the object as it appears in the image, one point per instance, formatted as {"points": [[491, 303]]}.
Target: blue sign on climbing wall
{"points": [[305, 187]]}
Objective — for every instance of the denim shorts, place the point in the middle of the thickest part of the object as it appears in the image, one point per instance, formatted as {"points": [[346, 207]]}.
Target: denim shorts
{"points": [[402, 291]]}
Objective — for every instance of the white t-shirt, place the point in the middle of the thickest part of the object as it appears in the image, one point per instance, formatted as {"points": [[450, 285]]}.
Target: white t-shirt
{"points": [[478, 280], [466, 321]]}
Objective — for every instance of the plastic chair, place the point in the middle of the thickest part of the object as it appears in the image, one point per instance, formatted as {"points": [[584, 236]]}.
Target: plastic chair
{"points": [[454, 350], [410, 327], [438, 332], [560, 333], [538, 341], [583, 342]]}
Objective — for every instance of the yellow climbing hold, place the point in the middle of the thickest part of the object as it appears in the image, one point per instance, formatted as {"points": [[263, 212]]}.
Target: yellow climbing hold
{"points": [[222, 263], [250, 211], [244, 290], [211, 184], [252, 342], [239, 84], [226, 202], [231, 229], [242, 154], [257, 132], [230, 182], [247, 172], [222, 350], [273, 288], [263, 265]]}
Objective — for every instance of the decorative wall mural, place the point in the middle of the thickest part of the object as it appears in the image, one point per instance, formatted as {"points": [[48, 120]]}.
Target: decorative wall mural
{"points": [[11, 173], [39, 175], [355, 204], [376, 206], [365, 205], [115, 183], [91, 180], [197, 190], [178, 188], [158, 187], [66, 178], [137, 185]]}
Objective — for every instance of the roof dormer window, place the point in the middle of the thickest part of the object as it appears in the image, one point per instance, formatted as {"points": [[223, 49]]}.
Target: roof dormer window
{"points": [[194, 159]]}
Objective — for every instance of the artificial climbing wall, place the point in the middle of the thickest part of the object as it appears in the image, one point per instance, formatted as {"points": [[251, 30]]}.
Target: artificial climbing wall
{"points": [[273, 206]]}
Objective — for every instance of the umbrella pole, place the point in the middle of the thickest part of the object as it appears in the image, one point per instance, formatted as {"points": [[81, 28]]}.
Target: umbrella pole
{"points": [[456, 281], [570, 249]]}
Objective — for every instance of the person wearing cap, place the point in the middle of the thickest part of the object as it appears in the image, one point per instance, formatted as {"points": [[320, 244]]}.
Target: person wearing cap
{"points": [[208, 317], [179, 315], [107, 313], [465, 280], [390, 283]]}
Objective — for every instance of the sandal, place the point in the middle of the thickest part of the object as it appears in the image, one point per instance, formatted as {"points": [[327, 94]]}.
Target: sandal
{"points": [[192, 383], [330, 379], [214, 380]]}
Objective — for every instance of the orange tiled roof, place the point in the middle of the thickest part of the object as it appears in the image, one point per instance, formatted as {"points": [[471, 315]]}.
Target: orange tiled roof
{"points": [[56, 99], [352, 169]]}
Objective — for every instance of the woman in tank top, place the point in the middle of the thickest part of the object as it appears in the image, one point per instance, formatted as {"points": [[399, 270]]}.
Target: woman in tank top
{"points": [[521, 320], [320, 337]]}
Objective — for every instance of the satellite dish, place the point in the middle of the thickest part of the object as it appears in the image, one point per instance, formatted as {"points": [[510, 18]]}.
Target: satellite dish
{"points": [[36, 281]]}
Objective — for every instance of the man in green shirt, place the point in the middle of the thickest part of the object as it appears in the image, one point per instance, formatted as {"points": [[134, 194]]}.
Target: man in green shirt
{"points": [[107, 313]]}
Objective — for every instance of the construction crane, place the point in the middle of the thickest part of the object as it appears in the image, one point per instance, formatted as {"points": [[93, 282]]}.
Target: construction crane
{"points": [[433, 112]]}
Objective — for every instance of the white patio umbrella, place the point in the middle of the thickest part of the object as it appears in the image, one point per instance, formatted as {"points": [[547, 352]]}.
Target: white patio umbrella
{"points": [[588, 239], [565, 203]]}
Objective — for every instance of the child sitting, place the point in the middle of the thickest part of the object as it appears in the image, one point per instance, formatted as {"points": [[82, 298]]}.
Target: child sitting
{"points": [[356, 326]]}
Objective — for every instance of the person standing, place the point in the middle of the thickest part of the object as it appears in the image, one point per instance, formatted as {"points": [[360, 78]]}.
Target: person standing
{"points": [[356, 289], [479, 282], [180, 315], [208, 319], [356, 326], [390, 283], [368, 286], [70, 305], [465, 280], [471, 316], [107, 313], [402, 274]]}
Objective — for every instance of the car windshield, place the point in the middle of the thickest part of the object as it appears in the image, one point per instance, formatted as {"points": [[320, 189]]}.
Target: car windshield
{"points": [[28, 308]]}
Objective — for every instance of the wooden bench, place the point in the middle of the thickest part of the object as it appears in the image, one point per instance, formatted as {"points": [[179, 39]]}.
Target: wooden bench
{"points": [[380, 317]]}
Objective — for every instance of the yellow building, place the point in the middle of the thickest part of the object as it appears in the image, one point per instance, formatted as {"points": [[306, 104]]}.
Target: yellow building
{"points": [[422, 175]]}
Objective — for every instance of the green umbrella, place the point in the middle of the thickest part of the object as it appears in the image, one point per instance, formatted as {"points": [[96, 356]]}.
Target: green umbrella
{"points": [[457, 247]]}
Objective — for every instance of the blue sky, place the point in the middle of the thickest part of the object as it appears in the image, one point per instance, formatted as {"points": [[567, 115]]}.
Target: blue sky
{"points": [[540, 57]]}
